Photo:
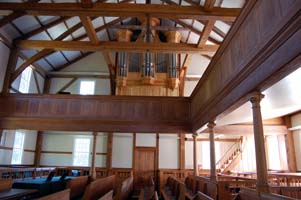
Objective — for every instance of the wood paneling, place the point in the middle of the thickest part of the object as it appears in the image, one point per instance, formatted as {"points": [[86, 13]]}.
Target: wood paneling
{"points": [[94, 113], [256, 51]]}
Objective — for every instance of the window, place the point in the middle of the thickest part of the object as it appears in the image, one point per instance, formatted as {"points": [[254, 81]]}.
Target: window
{"points": [[81, 152], [87, 87], [18, 148], [25, 80]]}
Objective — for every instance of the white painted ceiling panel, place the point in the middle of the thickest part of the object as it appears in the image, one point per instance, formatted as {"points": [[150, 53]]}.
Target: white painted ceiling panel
{"points": [[57, 30], [10, 32], [26, 23], [71, 54], [40, 36], [44, 65], [98, 22], [222, 26], [103, 36], [198, 25], [72, 21], [29, 53], [184, 35], [233, 3], [216, 36], [68, 38], [193, 38], [47, 19], [109, 19], [79, 32], [56, 59]]}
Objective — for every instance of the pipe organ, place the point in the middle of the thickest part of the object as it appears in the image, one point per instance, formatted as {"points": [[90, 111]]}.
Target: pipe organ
{"points": [[148, 73]]}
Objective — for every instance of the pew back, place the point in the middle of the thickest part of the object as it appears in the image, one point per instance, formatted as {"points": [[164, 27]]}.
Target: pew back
{"points": [[108, 196], [99, 188], [77, 186], [124, 189]]}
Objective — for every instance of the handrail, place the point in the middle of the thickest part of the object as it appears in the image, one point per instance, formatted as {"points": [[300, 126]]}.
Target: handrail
{"points": [[236, 146]]}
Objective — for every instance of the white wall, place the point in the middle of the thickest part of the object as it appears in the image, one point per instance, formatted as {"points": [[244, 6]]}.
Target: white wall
{"points": [[102, 86], [296, 121], [168, 151], [122, 154], [64, 142], [145, 140], [29, 144], [92, 63], [4, 55], [204, 153]]}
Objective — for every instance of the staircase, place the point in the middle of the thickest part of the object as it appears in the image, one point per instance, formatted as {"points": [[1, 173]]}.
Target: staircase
{"points": [[230, 158]]}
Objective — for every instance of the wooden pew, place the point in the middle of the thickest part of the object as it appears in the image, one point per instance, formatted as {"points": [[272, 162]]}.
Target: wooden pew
{"points": [[190, 184], [206, 186], [268, 196], [124, 189], [173, 190], [5, 184], [62, 195], [248, 194], [99, 188], [148, 191], [156, 196], [108, 196], [294, 192], [202, 196], [77, 186]]}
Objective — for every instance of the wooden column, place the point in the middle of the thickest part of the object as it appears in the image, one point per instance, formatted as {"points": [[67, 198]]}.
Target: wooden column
{"points": [[11, 66], [37, 155], [182, 151], [109, 150], [195, 155], [261, 164], [93, 168], [47, 85], [211, 126], [290, 146]]}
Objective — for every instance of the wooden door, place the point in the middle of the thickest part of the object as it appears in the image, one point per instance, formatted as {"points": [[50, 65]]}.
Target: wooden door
{"points": [[145, 166]]}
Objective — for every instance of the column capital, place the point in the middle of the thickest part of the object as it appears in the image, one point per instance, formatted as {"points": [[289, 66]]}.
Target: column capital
{"points": [[195, 134], [211, 125], [256, 97]]}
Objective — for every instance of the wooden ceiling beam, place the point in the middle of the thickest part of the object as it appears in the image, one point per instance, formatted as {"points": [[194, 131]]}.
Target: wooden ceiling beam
{"points": [[194, 30], [209, 5], [99, 76], [87, 3], [206, 33], [124, 10], [88, 25], [115, 46]]}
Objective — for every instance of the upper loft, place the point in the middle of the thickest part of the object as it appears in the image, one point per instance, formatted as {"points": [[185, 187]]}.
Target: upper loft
{"points": [[157, 43]]}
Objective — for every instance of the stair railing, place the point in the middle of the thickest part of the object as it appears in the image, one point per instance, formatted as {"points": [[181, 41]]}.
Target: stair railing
{"points": [[230, 153]]}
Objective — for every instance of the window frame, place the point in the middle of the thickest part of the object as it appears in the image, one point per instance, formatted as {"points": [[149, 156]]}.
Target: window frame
{"points": [[25, 79], [75, 152], [19, 149], [87, 92]]}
